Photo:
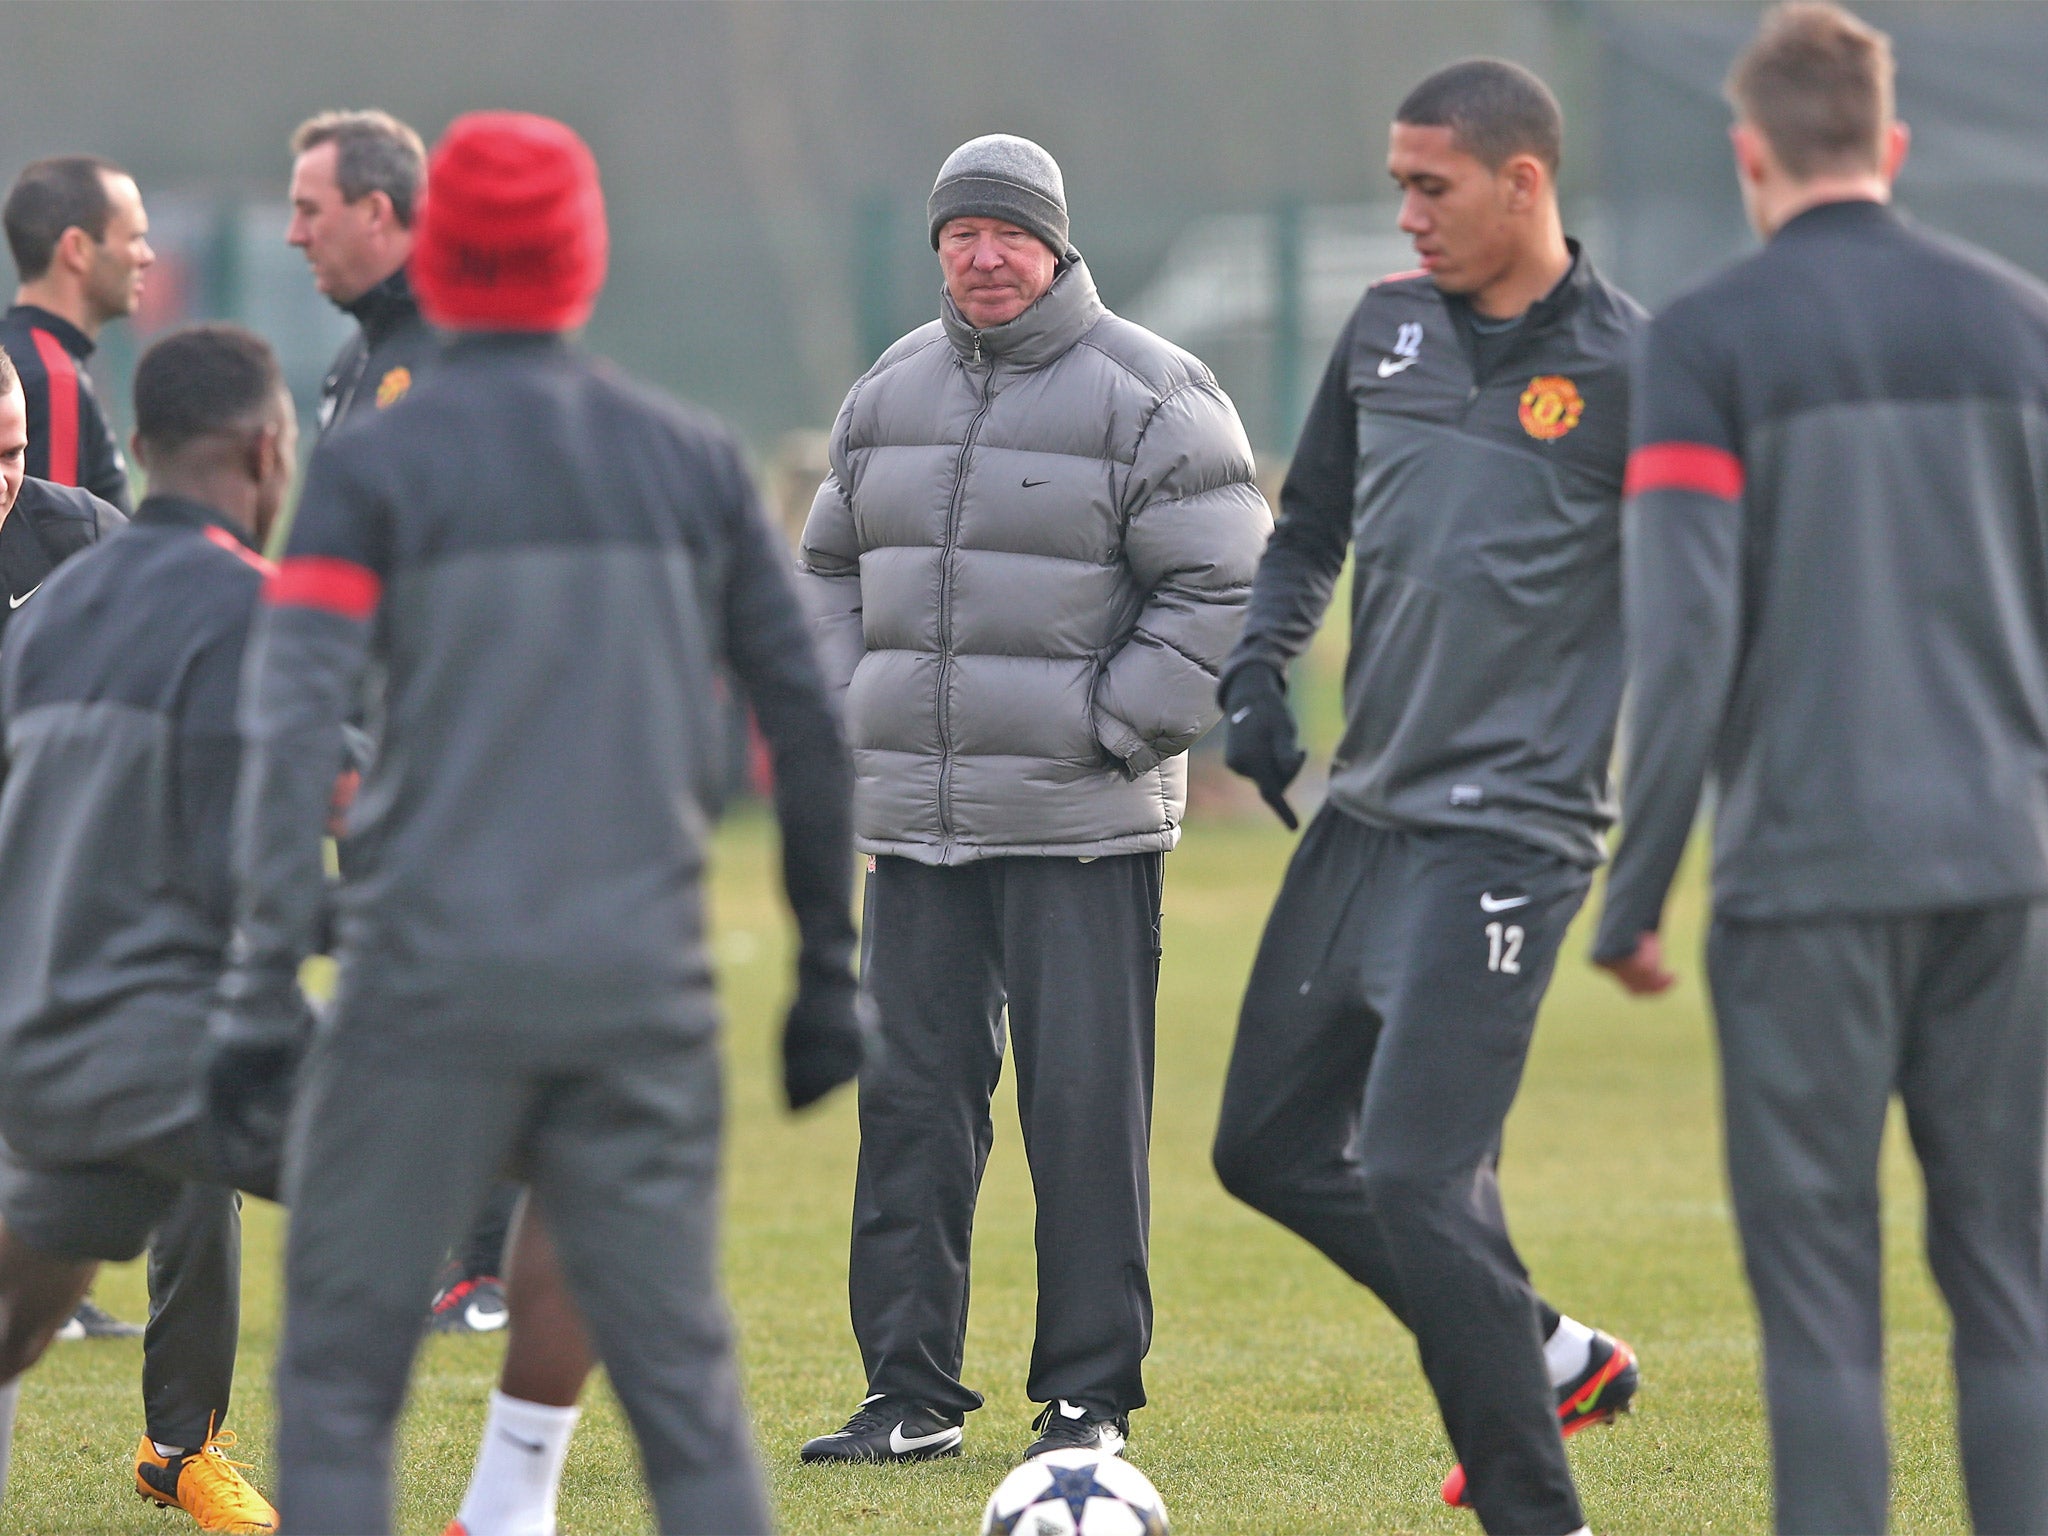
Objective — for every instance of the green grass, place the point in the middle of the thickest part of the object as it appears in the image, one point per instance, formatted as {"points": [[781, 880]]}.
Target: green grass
{"points": [[1284, 1398]]}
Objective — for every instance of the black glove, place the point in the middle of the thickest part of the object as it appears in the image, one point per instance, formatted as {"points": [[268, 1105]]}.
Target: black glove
{"points": [[826, 1036], [248, 1064], [1260, 740]]}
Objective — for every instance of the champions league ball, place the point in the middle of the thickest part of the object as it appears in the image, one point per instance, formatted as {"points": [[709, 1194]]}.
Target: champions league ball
{"points": [[1075, 1493]]}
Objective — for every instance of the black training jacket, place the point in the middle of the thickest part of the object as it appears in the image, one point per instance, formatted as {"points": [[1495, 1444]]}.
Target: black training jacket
{"points": [[69, 438], [117, 702], [46, 526], [1484, 509], [1837, 575], [379, 364], [546, 566]]}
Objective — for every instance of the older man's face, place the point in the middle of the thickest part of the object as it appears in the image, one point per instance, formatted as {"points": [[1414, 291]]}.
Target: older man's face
{"points": [[13, 446], [994, 270]]}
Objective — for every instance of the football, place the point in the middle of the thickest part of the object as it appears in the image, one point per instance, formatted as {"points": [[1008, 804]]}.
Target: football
{"points": [[1075, 1493]]}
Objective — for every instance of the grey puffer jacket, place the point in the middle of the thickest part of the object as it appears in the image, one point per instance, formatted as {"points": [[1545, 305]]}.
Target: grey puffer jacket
{"points": [[1027, 564]]}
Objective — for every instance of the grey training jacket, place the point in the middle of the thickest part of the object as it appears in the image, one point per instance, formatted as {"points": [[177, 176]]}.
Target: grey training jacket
{"points": [[1481, 495], [1027, 564], [1837, 573]]}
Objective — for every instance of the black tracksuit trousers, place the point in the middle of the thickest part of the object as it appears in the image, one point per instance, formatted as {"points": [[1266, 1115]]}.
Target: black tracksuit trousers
{"points": [[195, 1316], [1821, 1022], [1072, 947], [1380, 1047]]}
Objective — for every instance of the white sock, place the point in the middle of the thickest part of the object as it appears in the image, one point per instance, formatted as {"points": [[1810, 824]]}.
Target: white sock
{"points": [[1568, 1350], [168, 1452], [518, 1469], [9, 1396]]}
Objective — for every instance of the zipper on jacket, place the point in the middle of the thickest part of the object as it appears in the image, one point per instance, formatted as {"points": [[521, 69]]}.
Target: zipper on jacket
{"points": [[947, 547]]}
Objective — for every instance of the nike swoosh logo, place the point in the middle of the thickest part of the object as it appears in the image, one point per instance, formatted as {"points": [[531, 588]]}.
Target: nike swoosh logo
{"points": [[1505, 904], [1240, 716], [531, 1447], [485, 1319], [16, 602], [1389, 366], [900, 1443], [1034, 484]]}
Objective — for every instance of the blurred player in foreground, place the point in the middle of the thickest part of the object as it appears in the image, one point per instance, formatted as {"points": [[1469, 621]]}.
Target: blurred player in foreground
{"points": [[548, 565], [1837, 579], [118, 698], [1468, 441], [358, 179]]}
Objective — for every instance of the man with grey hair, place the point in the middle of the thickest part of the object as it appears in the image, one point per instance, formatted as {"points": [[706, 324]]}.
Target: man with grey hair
{"points": [[1029, 559], [357, 180], [356, 184]]}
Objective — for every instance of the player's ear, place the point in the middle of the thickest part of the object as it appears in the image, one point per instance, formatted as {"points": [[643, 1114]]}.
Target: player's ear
{"points": [[259, 454], [1898, 141], [1752, 152], [1522, 178], [135, 447], [74, 250]]}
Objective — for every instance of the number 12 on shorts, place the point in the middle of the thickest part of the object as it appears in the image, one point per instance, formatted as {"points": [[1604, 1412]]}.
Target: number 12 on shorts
{"points": [[1504, 948]]}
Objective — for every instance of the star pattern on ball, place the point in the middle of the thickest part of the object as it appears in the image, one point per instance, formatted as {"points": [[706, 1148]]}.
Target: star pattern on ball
{"points": [[1075, 1485]]}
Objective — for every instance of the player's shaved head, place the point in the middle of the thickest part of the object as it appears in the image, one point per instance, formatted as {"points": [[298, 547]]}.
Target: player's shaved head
{"points": [[1816, 82], [51, 196], [1494, 109], [205, 382]]}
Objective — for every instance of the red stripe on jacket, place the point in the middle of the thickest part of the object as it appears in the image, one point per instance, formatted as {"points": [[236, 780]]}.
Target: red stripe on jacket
{"points": [[319, 581], [1683, 467], [62, 440], [221, 538]]}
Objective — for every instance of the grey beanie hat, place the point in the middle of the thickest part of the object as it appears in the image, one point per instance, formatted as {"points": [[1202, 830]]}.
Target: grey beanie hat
{"points": [[1000, 176]]}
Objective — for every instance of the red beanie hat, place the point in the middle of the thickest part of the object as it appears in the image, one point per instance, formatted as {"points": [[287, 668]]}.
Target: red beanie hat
{"points": [[512, 233]]}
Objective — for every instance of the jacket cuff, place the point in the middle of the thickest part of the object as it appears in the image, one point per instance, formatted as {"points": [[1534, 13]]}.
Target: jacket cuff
{"points": [[1130, 749], [1619, 933]]}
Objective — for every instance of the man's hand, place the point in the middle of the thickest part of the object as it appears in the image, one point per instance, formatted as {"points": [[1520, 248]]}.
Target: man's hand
{"points": [[1260, 741], [826, 1036], [1642, 973], [248, 1064]]}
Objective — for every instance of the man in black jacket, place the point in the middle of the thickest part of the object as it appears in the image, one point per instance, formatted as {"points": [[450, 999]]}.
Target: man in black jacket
{"points": [[80, 240], [1468, 443], [524, 982], [357, 178], [1838, 608], [41, 524], [117, 694]]}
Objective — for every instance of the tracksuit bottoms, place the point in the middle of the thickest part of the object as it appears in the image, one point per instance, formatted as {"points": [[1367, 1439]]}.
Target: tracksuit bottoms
{"points": [[155, 1196], [1380, 1046], [393, 1153], [1072, 947], [1820, 1023]]}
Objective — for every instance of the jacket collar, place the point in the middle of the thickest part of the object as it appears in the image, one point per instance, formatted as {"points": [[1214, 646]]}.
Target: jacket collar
{"points": [[1842, 213], [473, 344], [1060, 317], [76, 342], [1555, 305], [384, 308], [182, 512]]}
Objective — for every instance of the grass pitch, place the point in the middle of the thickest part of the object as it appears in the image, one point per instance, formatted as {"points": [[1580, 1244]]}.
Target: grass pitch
{"points": [[1284, 1399]]}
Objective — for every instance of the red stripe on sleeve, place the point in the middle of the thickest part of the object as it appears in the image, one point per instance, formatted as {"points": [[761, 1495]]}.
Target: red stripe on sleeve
{"points": [[318, 581], [1683, 467], [64, 387]]}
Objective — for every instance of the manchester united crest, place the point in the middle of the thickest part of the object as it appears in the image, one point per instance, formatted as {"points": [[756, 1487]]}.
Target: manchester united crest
{"points": [[392, 387], [1551, 406]]}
